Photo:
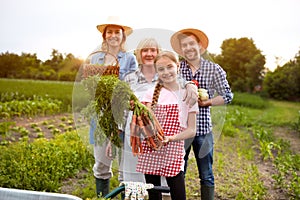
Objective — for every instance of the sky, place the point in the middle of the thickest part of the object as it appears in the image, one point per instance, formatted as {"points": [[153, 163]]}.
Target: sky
{"points": [[69, 26]]}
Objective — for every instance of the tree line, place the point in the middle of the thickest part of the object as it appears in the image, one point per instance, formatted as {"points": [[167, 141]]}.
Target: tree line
{"points": [[240, 58], [28, 66]]}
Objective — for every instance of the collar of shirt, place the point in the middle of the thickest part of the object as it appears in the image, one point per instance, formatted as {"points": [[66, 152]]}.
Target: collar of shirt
{"points": [[141, 77], [102, 55]]}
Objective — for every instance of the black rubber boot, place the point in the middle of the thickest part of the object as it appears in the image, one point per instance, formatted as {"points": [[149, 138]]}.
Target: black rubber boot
{"points": [[207, 192], [102, 187]]}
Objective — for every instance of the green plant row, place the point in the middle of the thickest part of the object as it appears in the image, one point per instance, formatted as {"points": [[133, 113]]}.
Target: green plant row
{"points": [[30, 108], [42, 164], [276, 150], [19, 89]]}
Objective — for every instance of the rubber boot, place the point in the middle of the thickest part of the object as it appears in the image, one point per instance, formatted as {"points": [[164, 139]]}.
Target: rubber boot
{"points": [[122, 195], [102, 187], [207, 192]]}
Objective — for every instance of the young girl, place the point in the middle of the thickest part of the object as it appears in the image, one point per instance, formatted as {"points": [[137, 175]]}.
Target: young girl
{"points": [[178, 122]]}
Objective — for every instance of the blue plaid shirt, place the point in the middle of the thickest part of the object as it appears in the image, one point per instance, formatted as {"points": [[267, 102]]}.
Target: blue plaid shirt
{"points": [[211, 77]]}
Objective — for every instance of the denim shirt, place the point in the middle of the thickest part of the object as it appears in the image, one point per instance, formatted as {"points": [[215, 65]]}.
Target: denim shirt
{"points": [[127, 62]]}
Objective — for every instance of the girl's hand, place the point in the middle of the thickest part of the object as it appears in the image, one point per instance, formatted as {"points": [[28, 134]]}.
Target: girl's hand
{"points": [[167, 139], [191, 94]]}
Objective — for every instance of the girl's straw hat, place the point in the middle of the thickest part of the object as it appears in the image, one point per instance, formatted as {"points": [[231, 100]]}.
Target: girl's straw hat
{"points": [[199, 34], [113, 20]]}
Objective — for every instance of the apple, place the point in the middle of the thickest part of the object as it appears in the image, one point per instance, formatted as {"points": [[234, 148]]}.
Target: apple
{"points": [[203, 94]]}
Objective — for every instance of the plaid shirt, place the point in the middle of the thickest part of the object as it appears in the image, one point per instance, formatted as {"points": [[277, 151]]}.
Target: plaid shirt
{"points": [[137, 77], [211, 77]]}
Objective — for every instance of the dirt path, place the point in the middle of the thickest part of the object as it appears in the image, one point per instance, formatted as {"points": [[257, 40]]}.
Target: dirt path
{"points": [[292, 136]]}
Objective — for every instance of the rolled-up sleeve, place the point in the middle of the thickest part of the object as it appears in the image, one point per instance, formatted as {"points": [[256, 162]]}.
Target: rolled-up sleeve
{"points": [[222, 85]]}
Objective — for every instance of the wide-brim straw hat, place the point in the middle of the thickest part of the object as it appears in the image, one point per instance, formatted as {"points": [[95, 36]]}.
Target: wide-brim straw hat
{"points": [[116, 21], [200, 34]]}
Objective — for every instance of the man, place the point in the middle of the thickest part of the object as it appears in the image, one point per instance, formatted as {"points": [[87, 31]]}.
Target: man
{"points": [[191, 44]]}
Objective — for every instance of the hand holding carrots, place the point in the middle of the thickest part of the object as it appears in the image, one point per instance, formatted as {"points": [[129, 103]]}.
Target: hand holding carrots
{"points": [[144, 122]]}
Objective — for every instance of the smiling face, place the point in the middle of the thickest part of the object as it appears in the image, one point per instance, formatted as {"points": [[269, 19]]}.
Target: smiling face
{"points": [[113, 35], [190, 48], [166, 70], [148, 55]]}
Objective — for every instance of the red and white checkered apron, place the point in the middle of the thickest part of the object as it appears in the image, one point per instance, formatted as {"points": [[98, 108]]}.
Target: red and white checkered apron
{"points": [[168, 160]]}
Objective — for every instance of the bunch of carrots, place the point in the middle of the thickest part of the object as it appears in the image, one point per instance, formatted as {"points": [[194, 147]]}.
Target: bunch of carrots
{"points": [[144, 123]]}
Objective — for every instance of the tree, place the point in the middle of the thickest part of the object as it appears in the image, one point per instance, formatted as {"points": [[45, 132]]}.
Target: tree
{"points": [[14, 66], [284, 82], [243, 62], [27, 61], [9, 63], [55, 61]]}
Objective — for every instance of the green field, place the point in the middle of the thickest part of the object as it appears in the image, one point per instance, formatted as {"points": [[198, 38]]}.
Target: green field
{"points": [[257, 154]]}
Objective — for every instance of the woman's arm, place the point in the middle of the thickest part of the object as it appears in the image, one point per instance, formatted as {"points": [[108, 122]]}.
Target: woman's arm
{"points": [[189, 132]]}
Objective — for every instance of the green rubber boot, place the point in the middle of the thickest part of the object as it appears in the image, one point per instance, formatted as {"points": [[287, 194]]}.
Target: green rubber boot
{"points": [[207, 192], [102, 187]]}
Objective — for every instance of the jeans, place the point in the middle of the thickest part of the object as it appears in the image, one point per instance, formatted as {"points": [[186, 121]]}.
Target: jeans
{"points": [[203, 150]]}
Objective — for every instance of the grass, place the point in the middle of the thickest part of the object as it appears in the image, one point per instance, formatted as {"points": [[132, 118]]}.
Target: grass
{"points": [[278, 113], [52, 89], [71, 94]]}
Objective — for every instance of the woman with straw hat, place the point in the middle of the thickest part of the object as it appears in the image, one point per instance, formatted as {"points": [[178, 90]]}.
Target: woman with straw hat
{"points": [[112, 50]]}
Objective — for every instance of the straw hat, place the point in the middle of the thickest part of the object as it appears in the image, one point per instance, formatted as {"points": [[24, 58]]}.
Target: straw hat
{"points": [[113, 20], [201, 36]]}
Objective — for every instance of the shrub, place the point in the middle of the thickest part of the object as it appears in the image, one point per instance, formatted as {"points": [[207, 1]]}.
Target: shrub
{"points": [[249, 100], [42, 164]]}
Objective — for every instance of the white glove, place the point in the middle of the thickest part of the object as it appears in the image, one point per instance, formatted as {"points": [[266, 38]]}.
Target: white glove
{"points": [[136, 190]]}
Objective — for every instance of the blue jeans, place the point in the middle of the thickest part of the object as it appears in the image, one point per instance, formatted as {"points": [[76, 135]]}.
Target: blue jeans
{"points": [[203, 150]]}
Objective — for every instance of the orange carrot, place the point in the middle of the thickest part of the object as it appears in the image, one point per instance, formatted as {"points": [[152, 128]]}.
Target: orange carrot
{"points": [[142, 126], [133, 145], [141, 147], [158, 126], [148, 122], [152, 143], [133, 125], [160, 137], [138, 146], [131, 140]]}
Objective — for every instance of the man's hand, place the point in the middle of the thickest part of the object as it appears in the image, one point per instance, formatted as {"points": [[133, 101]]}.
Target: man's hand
{"points": [[204, 103], [191, 94]]}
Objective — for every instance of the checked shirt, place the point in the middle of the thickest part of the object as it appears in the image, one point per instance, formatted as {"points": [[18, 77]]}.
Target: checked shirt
{"points": [[211, 77]]}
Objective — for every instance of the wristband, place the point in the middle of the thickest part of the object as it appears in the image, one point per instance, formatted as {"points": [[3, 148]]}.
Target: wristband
{"points": [[190, 82]]}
